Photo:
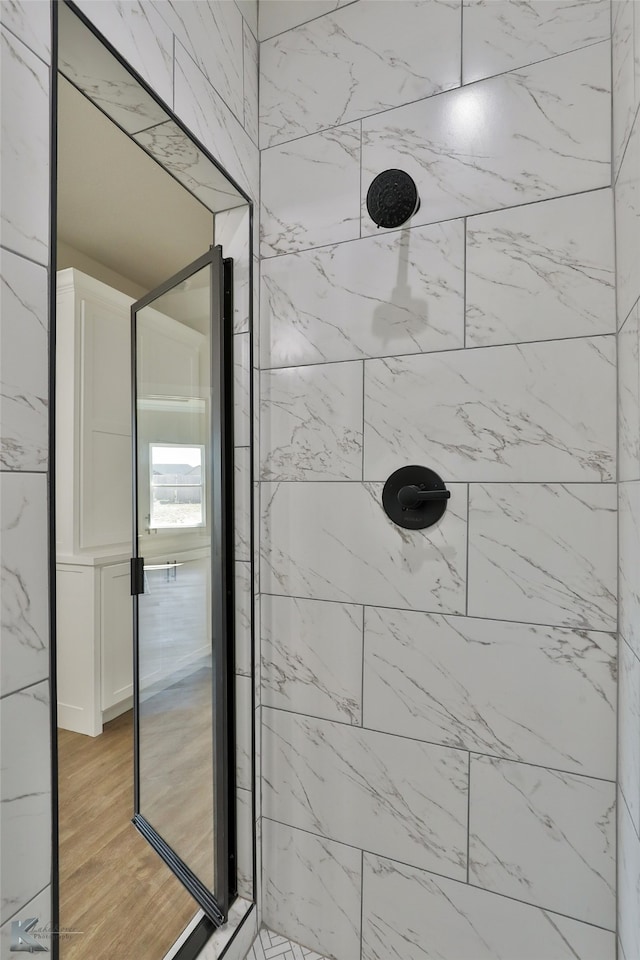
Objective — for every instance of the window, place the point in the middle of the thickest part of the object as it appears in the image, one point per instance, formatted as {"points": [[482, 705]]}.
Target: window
{"points": [[177, 486]]}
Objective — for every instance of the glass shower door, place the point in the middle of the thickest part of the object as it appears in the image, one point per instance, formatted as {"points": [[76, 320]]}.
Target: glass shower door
{"points": [[181, 576]]}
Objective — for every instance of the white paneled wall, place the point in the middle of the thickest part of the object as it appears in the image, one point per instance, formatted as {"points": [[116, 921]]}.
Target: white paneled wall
{"points": [[439, 718], [626, 144]]}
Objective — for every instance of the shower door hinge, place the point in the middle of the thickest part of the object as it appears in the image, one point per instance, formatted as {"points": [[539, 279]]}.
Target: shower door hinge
{"points": [[137, 576]]}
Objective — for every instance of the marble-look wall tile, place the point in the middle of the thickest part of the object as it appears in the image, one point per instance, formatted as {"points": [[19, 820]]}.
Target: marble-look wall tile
{"points": [[25, 797], [177, 152], [309, 191], [276, 16], [542, 271], [626, 73], [628, 226], [311, 653], [25, 623], [244, 719], [24, 182], [629, 396], [244, 853], [508, 413], [493, 687], [31, 23], [500, 35], [629, 732], [385, 794], [241, 387], [40, 908], [24, 364], [333, 541], [391, 294], [532, 134], [628, 884], [544, 837], [243, 618], [383, 54], [242, 502], [544, 553], [250, 45], [311, 890], [207, 116], [212, 34], [233, 233], [629, 563], [459, 922], [311, 426], [139, 33]]}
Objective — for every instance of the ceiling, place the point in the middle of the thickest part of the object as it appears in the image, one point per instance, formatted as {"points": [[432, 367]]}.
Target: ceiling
{"points": [[117, 205]]}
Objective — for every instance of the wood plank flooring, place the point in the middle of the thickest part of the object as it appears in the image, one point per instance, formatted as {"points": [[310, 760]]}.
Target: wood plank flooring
{"points": [[113, 886]]}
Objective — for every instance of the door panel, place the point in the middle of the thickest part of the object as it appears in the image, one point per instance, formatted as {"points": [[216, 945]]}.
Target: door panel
{"points": [[183, 607]]}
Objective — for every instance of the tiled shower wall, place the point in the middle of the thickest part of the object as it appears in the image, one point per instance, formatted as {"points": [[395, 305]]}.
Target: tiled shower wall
{"points": [[201, 60], [439, 707], [626, 167]]}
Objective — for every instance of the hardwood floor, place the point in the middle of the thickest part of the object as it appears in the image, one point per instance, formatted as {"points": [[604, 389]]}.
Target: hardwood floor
{"points": [[113, 886]]}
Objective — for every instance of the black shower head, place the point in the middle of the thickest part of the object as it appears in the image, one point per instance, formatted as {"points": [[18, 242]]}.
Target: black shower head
{"points": [[392, 198]]}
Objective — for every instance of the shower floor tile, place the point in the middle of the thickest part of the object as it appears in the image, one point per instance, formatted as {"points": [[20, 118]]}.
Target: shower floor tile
{"points": [[271, 946]]}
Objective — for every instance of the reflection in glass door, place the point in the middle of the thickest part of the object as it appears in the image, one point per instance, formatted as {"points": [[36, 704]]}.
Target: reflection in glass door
{"points": [[180, 576]]}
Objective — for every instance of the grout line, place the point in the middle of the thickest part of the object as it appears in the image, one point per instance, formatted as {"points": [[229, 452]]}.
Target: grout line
{"points": [[481, 483], [23, 43], [360, 188], [11, 916], [461, 43], [441, 876], [468, 525], [432, 96], [27, 686], [440, 746], [304, 22], [464, 283], [362, 674], [523, 344], [26, 473], [361, 900], [364, 422], [432, 223], [577, 628]]}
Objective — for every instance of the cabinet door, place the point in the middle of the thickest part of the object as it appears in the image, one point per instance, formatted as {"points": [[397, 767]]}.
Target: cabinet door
{"points": [[117, 635]]}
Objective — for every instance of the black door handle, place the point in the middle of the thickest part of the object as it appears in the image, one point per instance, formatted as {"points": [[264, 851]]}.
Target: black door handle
{"points": [[412, 496]]}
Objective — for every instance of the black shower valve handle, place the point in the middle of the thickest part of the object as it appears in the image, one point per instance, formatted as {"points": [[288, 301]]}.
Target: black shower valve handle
{"points": [[412, 496]]}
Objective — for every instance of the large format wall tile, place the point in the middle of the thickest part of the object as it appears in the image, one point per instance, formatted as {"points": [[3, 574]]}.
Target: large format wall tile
{"points": [[24, 365], [251, 54], [629, 559], [242, 502], [40, 908], [628, 884], [628, 226], [629, 396], [241, 387], [311, 654], [25, 625], [204, 112], [626, 73], [311, 425], [31, 23], [24, 183], [25, 797], [140, 35], [388, 795], [276, 16], [529, 135], [543, 553], [544, 837], [383, 54], [493, 687], [333, 541], [212, 34], [629, 732], [309, 191], [500, 35], [459, 922], [312, 890], [541, 271], [391, 294], [510, 413]]}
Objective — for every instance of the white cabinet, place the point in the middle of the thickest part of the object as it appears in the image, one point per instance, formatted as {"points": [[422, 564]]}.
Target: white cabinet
{"points": [[116, 635]]}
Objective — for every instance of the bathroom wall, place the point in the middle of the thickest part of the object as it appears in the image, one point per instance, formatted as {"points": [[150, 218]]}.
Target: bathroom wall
{"points": [[201, 60], [439, 707], [626, 160]]}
